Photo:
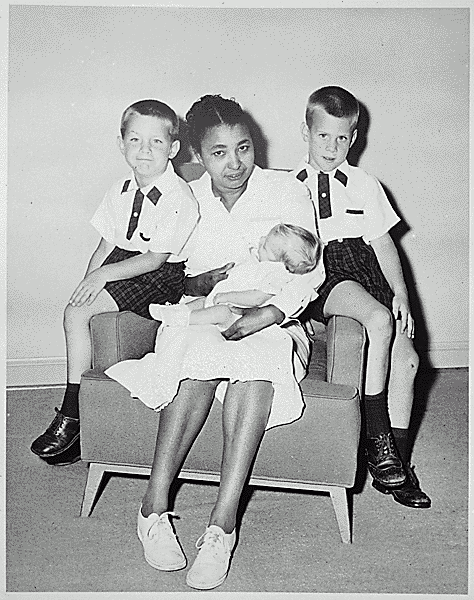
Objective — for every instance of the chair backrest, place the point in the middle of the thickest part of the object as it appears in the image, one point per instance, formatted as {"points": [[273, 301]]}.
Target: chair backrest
{"points": [[190, 171]]}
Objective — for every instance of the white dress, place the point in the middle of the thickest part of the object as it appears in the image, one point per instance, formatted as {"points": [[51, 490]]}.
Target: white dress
{"points": [[277, 354]]}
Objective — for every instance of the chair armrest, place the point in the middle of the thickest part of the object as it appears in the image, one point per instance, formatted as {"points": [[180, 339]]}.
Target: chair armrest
{"points": [[346, 342], [118, 336]]}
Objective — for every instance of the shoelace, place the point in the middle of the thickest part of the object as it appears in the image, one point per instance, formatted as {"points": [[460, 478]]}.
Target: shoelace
{"points": [[384, 444], [153, 531], [57, 422], [209, 543]]}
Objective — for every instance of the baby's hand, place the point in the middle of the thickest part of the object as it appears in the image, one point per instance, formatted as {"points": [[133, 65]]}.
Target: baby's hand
{"points": [[89, 288]]}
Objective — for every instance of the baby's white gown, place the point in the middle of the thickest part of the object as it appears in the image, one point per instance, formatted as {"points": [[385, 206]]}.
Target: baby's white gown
{"points": [[201, 352]]}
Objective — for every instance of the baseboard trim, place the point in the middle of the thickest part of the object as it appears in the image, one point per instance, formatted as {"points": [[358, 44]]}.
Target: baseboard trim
{"points": [[36, 372], [51, 372], [449, 355]]}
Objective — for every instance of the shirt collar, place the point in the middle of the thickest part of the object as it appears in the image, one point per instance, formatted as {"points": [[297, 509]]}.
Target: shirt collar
{"points": [[165, 182], [304, 164]]}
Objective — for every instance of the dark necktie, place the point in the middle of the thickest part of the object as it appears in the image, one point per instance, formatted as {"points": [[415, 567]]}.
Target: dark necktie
{"points": [[303, 176], [153, 195], [324, 197]]}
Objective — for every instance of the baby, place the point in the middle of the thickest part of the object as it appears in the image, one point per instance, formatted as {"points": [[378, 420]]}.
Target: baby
{"points": [[286, 252]]}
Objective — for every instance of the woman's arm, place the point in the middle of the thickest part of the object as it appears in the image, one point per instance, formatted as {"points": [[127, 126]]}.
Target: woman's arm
{"points": [[95, 280], [252, 320], [390, 264]]}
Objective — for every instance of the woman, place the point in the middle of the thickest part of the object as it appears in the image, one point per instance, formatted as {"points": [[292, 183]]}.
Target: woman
{"points": [[239, 202]]}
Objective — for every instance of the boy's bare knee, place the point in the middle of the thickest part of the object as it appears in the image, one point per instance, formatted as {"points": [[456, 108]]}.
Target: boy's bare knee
{"points": [[74, 315], [380, 323]]}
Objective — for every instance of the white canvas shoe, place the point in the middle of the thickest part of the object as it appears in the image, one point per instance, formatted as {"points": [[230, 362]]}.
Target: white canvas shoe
{"points": [[160, 544], [212, 562]]}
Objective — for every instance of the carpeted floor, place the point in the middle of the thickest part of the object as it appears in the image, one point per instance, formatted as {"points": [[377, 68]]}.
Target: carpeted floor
{"points": [[289, 542]]}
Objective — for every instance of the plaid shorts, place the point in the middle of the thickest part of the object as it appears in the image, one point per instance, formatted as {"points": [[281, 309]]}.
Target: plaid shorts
{"points": [[354, 260], [166, 284]]}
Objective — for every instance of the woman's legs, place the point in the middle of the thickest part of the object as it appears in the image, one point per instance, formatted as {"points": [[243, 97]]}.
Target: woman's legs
{"points": [[246, 410], [245, 414], [180, 423]]}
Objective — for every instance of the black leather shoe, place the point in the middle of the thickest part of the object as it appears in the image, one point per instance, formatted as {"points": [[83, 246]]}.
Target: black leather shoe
{"points": [[61, 434], [384, 464], [67, 457], [409, 494]]}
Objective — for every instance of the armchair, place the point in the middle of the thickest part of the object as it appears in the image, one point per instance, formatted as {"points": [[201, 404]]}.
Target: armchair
{"points": [[318, 452]]}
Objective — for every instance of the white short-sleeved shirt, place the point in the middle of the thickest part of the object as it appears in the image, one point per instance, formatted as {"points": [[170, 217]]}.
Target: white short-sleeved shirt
{"points": [[221, 236], [359, 205], [164, 222]]}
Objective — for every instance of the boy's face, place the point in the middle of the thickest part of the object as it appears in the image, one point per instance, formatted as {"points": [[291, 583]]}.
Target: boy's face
{"points": [[147, 147], [329, 139]]}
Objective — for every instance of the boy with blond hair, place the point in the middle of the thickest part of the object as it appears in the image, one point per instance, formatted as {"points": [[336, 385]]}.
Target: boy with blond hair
{"points": [[364, 280], [144, 223]]}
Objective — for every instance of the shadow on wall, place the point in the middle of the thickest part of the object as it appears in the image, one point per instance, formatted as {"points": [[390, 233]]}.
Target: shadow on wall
{"points": [[401, 229], [185, 153], [357, 149]]}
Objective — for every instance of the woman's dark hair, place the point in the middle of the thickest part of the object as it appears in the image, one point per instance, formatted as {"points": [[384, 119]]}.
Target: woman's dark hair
{"points": [[211, 111]]}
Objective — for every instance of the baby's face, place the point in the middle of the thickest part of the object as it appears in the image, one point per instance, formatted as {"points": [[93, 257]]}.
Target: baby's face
{"points": [[329, 140], [268, 247]]}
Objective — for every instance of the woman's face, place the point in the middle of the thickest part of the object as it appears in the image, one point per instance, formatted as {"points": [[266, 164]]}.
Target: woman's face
{"points": [[227, 154]]}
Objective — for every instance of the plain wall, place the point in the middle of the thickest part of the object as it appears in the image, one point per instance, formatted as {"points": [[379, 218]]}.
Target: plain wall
{"points": [[73, 70]]}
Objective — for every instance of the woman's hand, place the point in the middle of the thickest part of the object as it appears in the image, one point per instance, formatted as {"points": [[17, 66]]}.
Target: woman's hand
{"points": [[401, 311], [252, 320], [89, 288], [203, 284]]}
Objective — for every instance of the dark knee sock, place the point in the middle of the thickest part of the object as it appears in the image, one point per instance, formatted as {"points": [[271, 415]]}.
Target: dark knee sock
{"points": [[376, 414], [402, 439], [70, 405]]}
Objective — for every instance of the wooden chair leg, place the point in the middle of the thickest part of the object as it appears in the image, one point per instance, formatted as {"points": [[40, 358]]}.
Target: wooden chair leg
{"points": [[94, 479], [341, 508]]}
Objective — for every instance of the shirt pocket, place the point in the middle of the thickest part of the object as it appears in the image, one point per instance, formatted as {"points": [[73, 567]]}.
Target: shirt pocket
{"points": [[354, 222]]}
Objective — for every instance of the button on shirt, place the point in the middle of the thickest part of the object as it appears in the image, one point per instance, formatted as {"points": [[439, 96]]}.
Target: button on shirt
{"points": [[163, 226], [359, 209], [221, 236]]}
